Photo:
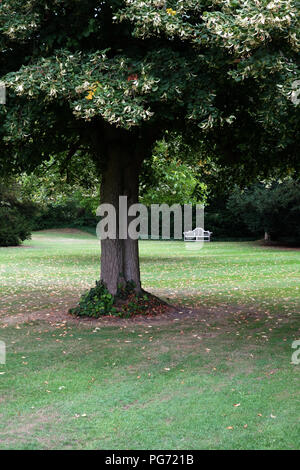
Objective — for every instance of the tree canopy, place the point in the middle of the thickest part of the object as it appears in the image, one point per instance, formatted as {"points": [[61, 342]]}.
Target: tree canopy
{"points": [[224, 68]]}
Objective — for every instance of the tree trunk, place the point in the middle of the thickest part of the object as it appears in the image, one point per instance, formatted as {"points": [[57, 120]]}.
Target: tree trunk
{"points": [[131, 247], [120, 257]]}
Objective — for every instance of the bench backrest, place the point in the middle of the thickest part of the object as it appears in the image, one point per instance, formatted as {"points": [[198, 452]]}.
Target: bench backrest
{"points": [[197, 232]]}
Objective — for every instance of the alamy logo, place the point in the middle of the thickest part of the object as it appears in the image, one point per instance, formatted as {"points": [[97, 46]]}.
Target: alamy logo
{"points": [[140, 222], [2, 352], [296, 354], [295, 96], [2, 93]]}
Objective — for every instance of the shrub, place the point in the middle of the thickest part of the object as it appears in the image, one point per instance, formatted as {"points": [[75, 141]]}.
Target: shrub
{"points": [[14, 227], [16, 214]]}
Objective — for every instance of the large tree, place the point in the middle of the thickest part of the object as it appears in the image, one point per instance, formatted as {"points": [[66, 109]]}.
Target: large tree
{"points": [[107, 78]]}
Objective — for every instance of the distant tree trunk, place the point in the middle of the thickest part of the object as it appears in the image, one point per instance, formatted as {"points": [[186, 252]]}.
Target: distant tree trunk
{"points": [[120, 257]]}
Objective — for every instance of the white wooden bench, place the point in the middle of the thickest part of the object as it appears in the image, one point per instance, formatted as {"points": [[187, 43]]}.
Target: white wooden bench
{"points": [[197, 235]]}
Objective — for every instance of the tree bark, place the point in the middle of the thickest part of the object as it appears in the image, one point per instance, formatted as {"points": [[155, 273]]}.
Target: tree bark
{"points": [[120, 257], [131, 247]]}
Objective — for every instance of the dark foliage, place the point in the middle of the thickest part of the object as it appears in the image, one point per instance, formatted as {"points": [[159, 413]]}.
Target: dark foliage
{"points": [[67, 213], [15, 215], [95, 303], [14, 227], [273, 209]]}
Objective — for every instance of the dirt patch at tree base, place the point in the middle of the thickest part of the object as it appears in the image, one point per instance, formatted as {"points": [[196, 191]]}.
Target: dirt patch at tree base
{"points": [[170, 313]]}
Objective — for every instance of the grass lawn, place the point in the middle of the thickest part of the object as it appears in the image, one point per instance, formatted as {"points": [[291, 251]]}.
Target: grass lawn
{"points": [[215, 375]]}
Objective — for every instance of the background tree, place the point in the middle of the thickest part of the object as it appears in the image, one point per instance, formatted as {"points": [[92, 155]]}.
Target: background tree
{"points": [[272, 209], [107, 78], [65, 196]]}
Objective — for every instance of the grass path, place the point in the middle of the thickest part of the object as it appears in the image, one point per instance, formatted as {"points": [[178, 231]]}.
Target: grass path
{"points": [[220, 378]]}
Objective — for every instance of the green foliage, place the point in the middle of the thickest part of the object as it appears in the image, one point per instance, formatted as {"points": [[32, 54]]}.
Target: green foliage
{"points": [[14, 227], [224, 223], [218, 71], [98, 302], [95, 303], [66, 213], [273, 208], [59, 180], [16, 215], [228, 226], [171, 176], [65, 195]]}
